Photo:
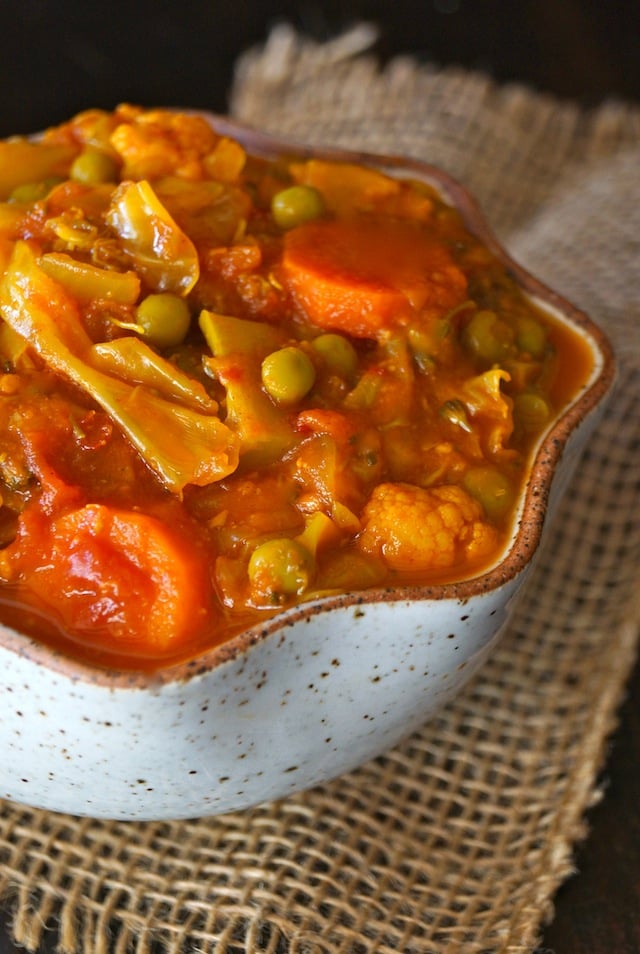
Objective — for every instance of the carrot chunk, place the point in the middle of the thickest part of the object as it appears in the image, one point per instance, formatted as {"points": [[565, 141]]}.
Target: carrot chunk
{"points": [[124, 579], [364, 278]]}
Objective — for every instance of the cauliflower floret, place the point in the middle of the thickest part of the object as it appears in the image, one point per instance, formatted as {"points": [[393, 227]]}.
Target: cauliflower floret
{"points": [[417, 528], [159, 143]]}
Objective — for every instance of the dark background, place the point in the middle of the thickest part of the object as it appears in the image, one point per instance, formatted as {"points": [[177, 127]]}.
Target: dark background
{"points": [[58, 58]]}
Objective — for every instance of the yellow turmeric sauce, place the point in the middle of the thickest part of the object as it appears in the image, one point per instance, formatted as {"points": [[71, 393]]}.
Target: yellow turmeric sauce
{"points": [[229, 385]]}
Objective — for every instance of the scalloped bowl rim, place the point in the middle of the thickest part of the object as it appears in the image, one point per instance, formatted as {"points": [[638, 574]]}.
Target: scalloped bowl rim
{"points": [[530, 517]]}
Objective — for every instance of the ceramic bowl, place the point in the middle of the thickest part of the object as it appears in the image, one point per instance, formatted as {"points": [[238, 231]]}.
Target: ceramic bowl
{"points": [[315, 692]]}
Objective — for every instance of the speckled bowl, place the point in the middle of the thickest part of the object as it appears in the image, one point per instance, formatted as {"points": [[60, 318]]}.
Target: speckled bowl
{"points": [[314, 693]]}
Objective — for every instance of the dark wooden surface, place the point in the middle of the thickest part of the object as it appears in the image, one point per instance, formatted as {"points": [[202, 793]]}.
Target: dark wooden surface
{"points": [[59, 58], [598, 909]]}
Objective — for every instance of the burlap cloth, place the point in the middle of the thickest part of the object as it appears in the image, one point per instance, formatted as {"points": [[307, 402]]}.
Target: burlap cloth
{"points": [[457, 840]]}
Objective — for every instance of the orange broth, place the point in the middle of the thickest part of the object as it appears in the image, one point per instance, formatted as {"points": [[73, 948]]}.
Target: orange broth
{"points": [[230, 385]]}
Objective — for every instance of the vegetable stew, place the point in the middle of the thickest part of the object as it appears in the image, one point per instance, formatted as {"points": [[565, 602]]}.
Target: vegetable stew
{"points": [[228, 385]]}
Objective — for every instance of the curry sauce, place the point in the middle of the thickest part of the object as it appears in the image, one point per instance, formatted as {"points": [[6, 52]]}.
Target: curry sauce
{"points": [[229, 385]]}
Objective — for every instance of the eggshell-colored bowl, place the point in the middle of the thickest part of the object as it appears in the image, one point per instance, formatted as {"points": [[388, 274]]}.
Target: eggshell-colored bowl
{"points": [[312, 694]]}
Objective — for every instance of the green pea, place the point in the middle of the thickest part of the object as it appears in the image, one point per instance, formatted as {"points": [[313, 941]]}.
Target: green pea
{"points": [[491, 488], [487, 336], [426, 341], [338, 354], [280, 568], [531, 411], [295, 205], [531, 337], [34, 191], [163, 319], [92, 167], [288, 374]]}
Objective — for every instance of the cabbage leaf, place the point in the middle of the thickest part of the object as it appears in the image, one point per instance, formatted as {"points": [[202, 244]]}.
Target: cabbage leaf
{"points": [[181, 444], [162, 253]]}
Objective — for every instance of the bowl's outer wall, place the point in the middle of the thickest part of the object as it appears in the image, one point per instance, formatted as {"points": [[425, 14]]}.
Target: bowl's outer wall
{"points": [[304, 705]]}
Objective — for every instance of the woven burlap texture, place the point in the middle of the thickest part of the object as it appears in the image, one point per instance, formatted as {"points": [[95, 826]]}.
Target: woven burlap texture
{"points": [[457, 840]]}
